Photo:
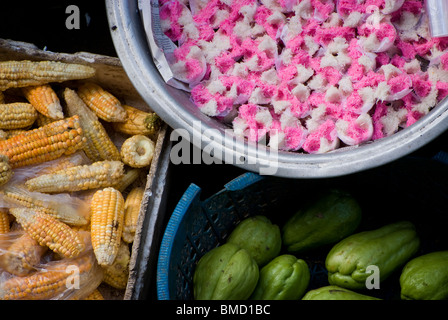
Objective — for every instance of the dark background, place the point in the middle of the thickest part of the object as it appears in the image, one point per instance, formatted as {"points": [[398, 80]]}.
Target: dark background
{"points": [[43, 24]]}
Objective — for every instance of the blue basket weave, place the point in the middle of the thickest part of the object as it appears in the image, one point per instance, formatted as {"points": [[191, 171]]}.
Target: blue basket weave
{"points": [[196, 226]]}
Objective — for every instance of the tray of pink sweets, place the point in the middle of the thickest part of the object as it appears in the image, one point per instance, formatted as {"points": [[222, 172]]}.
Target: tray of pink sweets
{"points": [[308, 88]]}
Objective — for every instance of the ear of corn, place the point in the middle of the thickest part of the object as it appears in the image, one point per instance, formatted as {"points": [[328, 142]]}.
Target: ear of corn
{"points": [[138, 122], [117, 274], [49, 231], [45, 100], [137, 151], [24, 73], [5, 170], [65, 211], [44, 144], [98, 146], [22, 256], [96, 175], [132, 207], [105, 105], [5, 223], [95, 295], [130, 176], [17, 115], [107, 214]]}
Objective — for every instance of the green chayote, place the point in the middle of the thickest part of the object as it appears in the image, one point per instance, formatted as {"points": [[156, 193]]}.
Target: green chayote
{"points": [[426, 277], [332, 217], [261, 238], [283, 278], [335, 293], [226, 272], [386, 248]]}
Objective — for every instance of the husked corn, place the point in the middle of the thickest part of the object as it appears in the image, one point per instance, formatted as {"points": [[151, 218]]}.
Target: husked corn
{"points": [[132, 207], [138, 122], [90, 176], [98, 146], [49, 231], [5, 170], [44, 144], [137, 151], [107, 215], [117, 274], [45, 100], [95, 295], [17, 115], [5, 222], [102, 102], [22, 256], [24, 73]]}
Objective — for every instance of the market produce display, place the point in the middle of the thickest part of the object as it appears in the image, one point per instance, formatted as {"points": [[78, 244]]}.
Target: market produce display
{"points": [[310, 75], [68, 198], [353, 261]]}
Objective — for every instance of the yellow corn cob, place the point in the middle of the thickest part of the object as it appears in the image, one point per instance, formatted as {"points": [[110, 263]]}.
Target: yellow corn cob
{"points": [[64, 162], [15, 74], [96, 175], [132, 207], [17, 115], [138, 122], [49, 231], [107, 215], [98, 145], [5, 170], [33, 200], [14, 132], [105, 105], [44, 144], [22, 256], [45, 100], [3, 134], [137, 151], [117, 274], [95, 295], [65, 279], [4, 220], [129, 177]]}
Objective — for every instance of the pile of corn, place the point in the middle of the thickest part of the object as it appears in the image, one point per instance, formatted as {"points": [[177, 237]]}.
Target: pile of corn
{"points": [[69, 203]]}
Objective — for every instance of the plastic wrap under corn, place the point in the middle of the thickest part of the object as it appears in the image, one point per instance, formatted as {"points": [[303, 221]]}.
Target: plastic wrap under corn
{"points": [[96, 175], [65, 279], [45, 143], [20, 253], [62, 206], [98, 144], [49, 231], [24, 73]]}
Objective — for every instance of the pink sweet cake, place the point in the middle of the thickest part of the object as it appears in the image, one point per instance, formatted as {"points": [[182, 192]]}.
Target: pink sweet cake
{"points": [[308, 75]]}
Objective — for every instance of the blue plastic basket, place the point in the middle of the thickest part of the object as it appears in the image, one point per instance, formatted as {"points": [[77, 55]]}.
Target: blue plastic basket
{"points": [[196, 226]]}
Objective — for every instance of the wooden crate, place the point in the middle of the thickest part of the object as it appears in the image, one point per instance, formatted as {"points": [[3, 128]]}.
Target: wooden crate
{"points": [[112, 77]]}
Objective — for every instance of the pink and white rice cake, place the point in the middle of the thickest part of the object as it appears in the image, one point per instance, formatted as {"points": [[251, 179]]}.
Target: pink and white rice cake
{"points": [[308, 75]]}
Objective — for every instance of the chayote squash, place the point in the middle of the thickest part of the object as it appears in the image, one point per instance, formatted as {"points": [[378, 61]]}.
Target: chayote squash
{"points": [[386, 248], [426, 277], [261, 238], [283, 278], [335, 293], [332, 217], [226, 272]]}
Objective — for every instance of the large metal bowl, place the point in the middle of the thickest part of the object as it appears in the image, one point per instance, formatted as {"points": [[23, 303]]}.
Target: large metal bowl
{"points": [[176, 109]]}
